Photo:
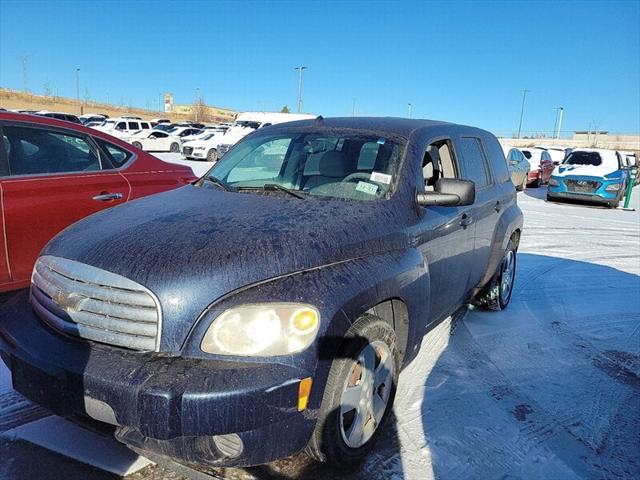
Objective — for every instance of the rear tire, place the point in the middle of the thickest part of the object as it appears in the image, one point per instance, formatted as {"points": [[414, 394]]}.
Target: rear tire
{"points": [[137, 145], [497, 294], [174, 148], [353, 383]]}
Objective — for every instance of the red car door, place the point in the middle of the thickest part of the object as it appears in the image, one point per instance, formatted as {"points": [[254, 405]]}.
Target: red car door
{"points": [[55, 177]]}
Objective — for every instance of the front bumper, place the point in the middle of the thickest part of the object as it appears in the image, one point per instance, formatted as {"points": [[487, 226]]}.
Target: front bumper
{"points": [[170, 406], [595, 191]]}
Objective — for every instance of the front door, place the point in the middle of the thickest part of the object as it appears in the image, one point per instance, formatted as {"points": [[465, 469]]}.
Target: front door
{"points": [[445, 235], [55, 177]]}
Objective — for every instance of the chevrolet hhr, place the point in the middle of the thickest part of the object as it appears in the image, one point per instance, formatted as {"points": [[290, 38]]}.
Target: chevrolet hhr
{"points": [[269, 307]]}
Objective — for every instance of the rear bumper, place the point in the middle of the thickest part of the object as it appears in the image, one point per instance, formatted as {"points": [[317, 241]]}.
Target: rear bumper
{"points": [[177, 407]]}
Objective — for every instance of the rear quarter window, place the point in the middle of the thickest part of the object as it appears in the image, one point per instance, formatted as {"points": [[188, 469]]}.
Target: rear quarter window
{"points": [[117, 156]]}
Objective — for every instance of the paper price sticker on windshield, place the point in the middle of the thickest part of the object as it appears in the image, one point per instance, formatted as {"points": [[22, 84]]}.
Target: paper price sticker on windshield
{"points": [[365, 187], [380, 178]]}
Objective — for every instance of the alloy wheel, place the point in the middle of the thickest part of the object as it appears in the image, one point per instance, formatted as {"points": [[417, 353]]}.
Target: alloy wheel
{"points": [[365, 394]]}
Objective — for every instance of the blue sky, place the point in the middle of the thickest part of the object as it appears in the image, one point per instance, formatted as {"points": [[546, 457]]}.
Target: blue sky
{"points": [[465, 62]]}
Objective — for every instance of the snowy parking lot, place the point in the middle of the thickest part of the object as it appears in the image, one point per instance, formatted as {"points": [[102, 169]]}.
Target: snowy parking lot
{"points": [[549, 388]]}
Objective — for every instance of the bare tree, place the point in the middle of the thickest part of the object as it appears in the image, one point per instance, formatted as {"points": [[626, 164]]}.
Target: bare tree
{"points": [[199, 110]]}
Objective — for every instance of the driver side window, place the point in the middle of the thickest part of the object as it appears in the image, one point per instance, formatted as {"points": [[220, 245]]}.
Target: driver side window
{"points": [[438, 162]]}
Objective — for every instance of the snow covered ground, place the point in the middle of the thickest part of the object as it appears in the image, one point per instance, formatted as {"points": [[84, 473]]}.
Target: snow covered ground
{"points": [[549, 388]]}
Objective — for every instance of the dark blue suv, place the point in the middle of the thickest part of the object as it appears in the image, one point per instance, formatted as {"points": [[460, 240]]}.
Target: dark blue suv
{"points": [[270, 306]]}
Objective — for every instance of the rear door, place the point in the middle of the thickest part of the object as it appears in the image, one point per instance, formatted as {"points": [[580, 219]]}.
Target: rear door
{"points": [[55, 177], [485, 209]]}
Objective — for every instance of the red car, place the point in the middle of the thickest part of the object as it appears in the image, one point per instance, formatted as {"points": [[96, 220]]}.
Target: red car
{"points": [[53, 173], [541, 166]]}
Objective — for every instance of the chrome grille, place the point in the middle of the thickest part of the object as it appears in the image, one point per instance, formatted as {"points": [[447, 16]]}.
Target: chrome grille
{"points": [[91, 303]]}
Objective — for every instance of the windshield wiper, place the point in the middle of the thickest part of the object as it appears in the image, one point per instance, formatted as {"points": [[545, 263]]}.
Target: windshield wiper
{"points": [[220, 183], [272, 187], [275, 186]]}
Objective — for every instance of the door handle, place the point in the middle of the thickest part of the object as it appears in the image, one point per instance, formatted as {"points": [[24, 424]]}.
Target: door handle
{"points": [[107, 197], [498, 206], [465, 220]]}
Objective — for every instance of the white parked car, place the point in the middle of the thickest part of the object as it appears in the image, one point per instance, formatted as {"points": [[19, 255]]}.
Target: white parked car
{"points": [[203, 148], [154, 141], [123, 126]]}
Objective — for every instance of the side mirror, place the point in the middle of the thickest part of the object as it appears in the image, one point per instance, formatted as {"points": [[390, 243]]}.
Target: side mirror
{"points": [[449, 192]]}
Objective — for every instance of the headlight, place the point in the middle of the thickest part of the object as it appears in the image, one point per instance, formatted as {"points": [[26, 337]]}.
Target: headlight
{"points": [[613, 187], [262, 330], [553, 182]]}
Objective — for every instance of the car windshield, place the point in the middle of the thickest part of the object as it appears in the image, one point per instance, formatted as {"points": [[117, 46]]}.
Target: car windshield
{"points": [[338, 165], [583, 158]]}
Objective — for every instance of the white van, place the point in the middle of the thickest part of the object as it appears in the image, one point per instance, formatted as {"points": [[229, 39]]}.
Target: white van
{"points": [[123, 126]]}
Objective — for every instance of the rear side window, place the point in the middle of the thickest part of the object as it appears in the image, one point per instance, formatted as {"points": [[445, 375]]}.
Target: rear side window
{"points": [[117, 156], [473, 162], [495, 156], [144, 126], [583, 158], [35, 151]]}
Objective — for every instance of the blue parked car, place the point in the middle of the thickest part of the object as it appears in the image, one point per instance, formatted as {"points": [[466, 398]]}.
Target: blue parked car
{"points": [[270, 306], [594, 175]]}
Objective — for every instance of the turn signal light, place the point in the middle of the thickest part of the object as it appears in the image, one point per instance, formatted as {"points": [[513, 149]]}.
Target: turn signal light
{"points": [[304, 390]]}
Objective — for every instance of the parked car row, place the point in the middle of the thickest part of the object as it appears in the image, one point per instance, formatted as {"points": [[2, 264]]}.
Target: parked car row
{"points": [[215, 146]]}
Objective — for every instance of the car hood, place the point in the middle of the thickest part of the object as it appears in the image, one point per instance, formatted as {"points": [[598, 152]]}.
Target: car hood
{"points": [[582, 170], [193, 245]]}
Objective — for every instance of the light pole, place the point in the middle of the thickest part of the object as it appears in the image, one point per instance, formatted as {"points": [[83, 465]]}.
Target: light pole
{"points": [[300, 70], [197, 104], [410, 109], [524, 96], [353, 109], [78, 89], [559, 113]]}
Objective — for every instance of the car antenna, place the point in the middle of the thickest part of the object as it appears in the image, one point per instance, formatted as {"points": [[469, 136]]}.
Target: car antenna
{"points": [[319, 120]]}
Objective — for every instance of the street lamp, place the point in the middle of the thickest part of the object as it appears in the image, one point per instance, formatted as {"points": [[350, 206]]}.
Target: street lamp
{"points": [[78, 89], [524, 96], [300, 70], [410, 109], [558, 125]]}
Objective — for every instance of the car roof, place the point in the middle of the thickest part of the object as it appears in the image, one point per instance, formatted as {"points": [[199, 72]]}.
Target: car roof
{"points": [[54, 122], [385, 126]]}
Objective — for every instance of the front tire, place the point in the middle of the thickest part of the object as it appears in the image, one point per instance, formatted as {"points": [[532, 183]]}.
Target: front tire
{"points": [[497, 294], [174, 148], [137, 145], [212, 155], [358, 395]]}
